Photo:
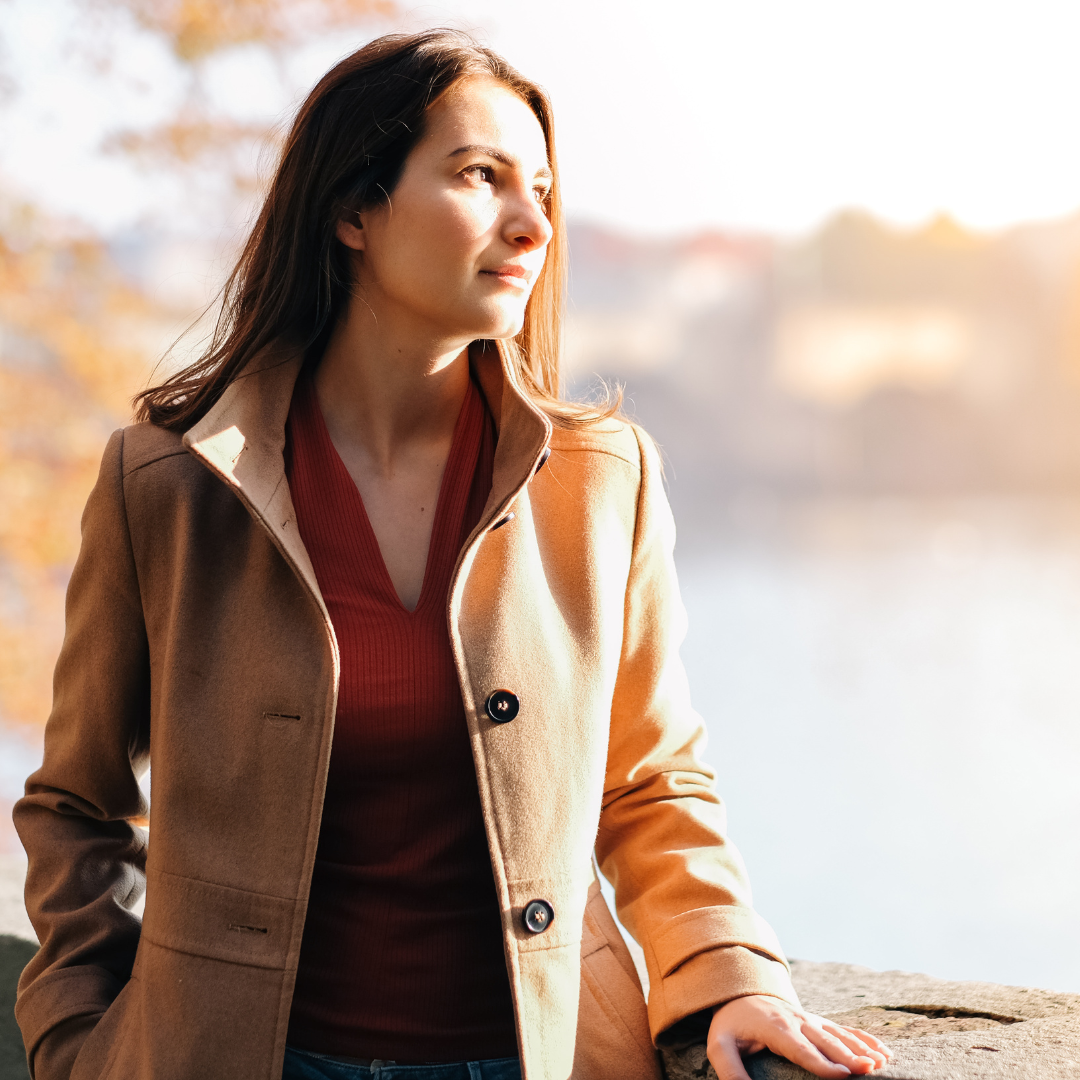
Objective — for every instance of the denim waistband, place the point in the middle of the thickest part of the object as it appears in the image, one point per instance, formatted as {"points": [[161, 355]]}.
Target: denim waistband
{"points": [[309, 1065]]}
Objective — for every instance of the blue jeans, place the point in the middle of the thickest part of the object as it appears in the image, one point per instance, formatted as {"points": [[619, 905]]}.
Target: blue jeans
{"points": [[305, 1065]]}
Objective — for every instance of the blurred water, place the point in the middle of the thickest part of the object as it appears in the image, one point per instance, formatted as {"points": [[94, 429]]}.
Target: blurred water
{"points": [[893, 694]]}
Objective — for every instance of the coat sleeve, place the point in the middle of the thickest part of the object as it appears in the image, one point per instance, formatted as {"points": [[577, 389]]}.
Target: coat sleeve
{"points": [[680, 886], [86, 858]]}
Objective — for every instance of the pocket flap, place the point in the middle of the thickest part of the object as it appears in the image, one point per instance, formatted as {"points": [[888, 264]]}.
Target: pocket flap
{"points": [[216, 921]]}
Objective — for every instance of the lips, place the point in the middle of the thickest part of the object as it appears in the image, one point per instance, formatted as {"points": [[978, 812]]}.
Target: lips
{"points": [[511, 273]]}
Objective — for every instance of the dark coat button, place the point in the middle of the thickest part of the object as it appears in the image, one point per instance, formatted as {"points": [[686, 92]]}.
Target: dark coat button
{"points": [[503, 521], [538, 916], [543, 460], [502, 706]]}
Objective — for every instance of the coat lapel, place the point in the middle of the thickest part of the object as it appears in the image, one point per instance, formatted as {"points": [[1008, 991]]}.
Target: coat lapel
{"points": [[242, 438], [524, 430]]}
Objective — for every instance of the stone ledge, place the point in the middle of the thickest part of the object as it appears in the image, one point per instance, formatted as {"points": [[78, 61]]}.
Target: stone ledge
{"points": [[937, 1030]]}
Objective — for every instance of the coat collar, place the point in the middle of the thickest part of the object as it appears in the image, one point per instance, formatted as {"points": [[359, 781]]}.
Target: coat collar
{"points": [[241, 439]]}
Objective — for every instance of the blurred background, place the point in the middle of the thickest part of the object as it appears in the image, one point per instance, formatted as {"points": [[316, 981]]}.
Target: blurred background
{"points": [[831, 250]]}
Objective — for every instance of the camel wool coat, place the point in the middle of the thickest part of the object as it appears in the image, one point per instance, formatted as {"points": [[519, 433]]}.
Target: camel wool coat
{"points": [[197, 638]]}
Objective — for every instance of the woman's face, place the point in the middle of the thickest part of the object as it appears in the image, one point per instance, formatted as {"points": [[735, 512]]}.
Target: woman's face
{"points": [[461, 242]]}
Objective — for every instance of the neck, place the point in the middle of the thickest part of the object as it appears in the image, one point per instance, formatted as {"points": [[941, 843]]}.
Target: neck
{"points": [[387, 388]]}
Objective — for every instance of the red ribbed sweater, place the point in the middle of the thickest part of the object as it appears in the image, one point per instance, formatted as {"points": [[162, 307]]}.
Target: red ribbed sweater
{"points": [[402, 955]]}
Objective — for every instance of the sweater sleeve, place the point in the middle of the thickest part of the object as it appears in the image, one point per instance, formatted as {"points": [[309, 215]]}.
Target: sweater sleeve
{"points": [[680, 886], [86, 857]]}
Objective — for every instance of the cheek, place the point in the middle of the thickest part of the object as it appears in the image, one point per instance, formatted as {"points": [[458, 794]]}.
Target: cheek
{"points": [[427, 252], [439, 250], [462, 227]]}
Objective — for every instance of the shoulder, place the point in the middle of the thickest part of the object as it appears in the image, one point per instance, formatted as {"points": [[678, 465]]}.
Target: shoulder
{"points": [[140, 445], [613, 438], [166, 494], [132, 489], [156, 471]]}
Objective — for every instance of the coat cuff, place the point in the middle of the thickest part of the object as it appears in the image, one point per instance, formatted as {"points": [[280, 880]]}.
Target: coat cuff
{"points": [[59, 996], [701, 929], [681, 1003]]}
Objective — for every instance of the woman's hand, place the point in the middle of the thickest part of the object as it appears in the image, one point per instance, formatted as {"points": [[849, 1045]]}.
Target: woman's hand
{"points": [[749, 1024]]}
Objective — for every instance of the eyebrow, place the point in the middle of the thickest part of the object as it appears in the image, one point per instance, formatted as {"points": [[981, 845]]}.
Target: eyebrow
{"points": [[498, 155]]}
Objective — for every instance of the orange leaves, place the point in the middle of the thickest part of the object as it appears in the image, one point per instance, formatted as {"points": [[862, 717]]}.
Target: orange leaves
{"points": [[77, 339], [69, 364], [65, 299], [218, 145], [187, 139], [199, 28]]}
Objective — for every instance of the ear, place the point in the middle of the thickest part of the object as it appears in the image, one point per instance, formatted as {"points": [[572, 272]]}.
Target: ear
{"points": [[350, 231]]}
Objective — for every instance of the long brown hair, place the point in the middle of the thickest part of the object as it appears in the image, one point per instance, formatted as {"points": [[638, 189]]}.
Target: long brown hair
{"points": [[346, 150]]}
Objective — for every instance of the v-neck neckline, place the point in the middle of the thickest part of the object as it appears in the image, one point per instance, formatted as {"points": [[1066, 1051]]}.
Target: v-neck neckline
{"points": [[456, 481]]}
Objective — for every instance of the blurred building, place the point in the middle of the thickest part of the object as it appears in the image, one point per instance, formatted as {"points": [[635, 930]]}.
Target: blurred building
{"points": [[860, 361]]}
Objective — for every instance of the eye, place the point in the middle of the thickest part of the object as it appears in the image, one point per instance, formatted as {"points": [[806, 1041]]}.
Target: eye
{"points": [[485, 174], [542, 194]]}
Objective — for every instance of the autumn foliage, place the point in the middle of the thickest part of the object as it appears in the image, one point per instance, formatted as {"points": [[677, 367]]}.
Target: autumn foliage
{"points": [[78, 337], [72, 348], [199, 28]]}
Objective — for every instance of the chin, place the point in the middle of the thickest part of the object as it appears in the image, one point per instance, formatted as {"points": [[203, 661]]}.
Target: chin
{"points": [[509, 326], [494, 320]]}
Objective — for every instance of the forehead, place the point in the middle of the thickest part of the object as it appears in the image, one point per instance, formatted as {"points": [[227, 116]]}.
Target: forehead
{"points": [[483, 111]]}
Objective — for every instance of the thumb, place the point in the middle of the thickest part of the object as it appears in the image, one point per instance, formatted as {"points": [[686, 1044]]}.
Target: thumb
{"points": [[726, 1060]]}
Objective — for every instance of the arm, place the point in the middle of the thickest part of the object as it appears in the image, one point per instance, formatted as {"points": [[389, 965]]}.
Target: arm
{"points": [[681, 888], [680, 885], [86, 861]]}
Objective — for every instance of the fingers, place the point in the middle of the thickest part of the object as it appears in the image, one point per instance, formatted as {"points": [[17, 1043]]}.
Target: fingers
{"points": [[798, 1048], [725, 1058], [846, 1050], [829, 1050], [869, 1039], [860, 1043], [784, 1037], [727, 1061]]}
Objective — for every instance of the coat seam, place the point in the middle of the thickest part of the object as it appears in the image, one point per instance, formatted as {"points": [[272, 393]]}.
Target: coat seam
{"points": [[127, 525], [283, 968], [634, 554], [597, 450], [153, 461], [231, 888], [133, 562]]}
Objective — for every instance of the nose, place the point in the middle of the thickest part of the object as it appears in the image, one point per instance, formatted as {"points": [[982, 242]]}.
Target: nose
{"points": [[527, 226]]}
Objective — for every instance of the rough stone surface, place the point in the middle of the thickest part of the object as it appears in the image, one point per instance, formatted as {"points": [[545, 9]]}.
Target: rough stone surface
{"points": [[936, 1030]]}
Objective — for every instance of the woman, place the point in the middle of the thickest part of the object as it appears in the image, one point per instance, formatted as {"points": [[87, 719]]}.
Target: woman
{"points": [[366, 514]]}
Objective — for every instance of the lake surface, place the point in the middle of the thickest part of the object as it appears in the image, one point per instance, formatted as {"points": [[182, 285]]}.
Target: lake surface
{"points": [[892, 692]]}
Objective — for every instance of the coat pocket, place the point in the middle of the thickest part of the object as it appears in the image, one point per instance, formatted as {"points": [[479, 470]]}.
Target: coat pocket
{"points": [[613, 1027], [98, 1051], [613, 1041]]}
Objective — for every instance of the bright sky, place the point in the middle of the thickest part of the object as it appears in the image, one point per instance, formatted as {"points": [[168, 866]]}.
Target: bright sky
{"points": [[671, 115]]}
